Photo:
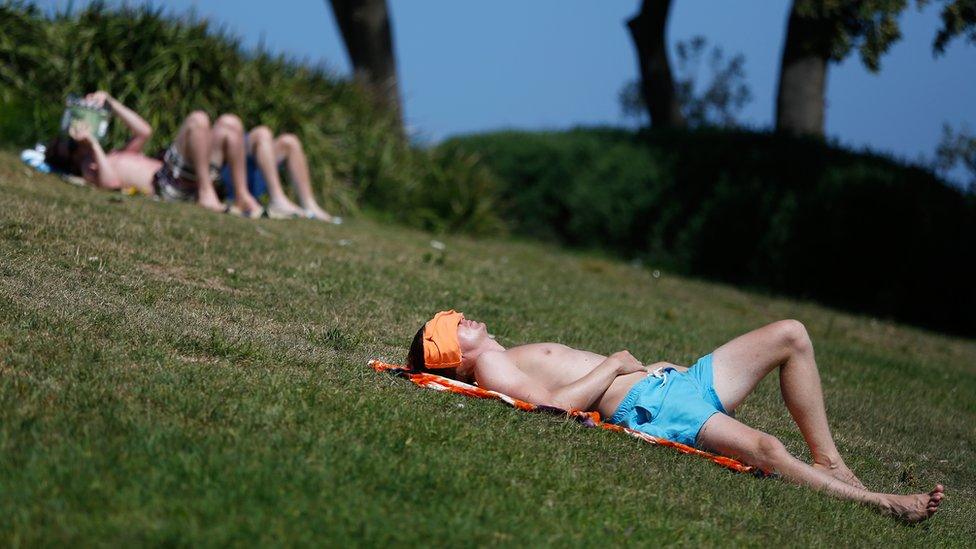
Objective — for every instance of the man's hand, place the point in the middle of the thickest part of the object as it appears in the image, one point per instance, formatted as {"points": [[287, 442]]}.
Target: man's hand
{"points": [[98, 98], [626, 363], [80, 132]]}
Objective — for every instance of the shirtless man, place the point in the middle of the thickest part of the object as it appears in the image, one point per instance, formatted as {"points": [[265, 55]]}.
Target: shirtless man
{"points": [[187, 172], [688, 405]]}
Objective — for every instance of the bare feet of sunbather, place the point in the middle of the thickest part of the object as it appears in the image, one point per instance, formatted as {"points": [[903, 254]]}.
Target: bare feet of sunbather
{"points": [[247, 205], [210, 201], [284, 208], [913, 507], [839, 470], [313, 211]]}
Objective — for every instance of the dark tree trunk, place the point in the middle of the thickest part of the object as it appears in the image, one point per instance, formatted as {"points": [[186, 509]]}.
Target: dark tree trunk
{"points": [[368, 35], [647, 29], [803, 76]]}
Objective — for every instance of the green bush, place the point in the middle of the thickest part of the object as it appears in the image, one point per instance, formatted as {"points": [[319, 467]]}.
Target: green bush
{"points": [[166, 67], [790, 215]]}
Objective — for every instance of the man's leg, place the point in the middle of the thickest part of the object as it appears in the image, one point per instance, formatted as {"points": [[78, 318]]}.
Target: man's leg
{"points": [[228, 146], [262, 146], [289, 147], [193, 142], [741, 363], [732, 438]]}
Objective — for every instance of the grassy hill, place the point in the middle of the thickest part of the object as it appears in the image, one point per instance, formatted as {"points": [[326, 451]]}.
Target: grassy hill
{"points": [[170, 376]]}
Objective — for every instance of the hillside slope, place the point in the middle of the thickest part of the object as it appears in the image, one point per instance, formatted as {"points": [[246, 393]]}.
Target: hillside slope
{"points": [[173, 376]]}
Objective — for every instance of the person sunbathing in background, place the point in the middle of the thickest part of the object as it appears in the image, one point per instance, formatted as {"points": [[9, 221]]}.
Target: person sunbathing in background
{"points": [[693, 406], [187, 172], [265, 155]]}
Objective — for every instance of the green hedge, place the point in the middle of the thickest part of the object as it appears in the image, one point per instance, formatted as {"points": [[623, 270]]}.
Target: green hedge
{"points": [[165, 67], [789, 215]]}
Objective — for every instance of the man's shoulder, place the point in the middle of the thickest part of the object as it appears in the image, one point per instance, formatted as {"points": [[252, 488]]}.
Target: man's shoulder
{"points": [[497, 371], [494, 357], [495, 365]]}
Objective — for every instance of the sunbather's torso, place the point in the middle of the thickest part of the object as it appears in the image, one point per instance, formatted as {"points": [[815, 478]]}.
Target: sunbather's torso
{"points": [[555, 365], [135, 169]]}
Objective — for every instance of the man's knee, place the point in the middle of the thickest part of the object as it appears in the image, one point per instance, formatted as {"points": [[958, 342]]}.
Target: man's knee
{"points": [[770, 452], [198, 120], [261, 134], [794, 335], [289, 141], [231, 121]]}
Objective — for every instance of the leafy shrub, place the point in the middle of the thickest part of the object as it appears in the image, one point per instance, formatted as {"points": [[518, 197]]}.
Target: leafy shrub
{"points": [[790, 215], [166, 67]]}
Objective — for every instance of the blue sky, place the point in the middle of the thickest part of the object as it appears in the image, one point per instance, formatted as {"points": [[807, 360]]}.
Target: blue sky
{"points": [[469, 66]]}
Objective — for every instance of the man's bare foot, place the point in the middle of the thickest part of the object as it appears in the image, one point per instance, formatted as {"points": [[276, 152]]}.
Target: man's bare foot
{"points": [[313, 211], [838, 469], [284, 209], [913, 507], [246, 206], [210, 202]]}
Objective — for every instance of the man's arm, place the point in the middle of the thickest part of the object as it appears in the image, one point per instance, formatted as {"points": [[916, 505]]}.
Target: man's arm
{"points": [[98, 171], [497, 372], [140, 129]]}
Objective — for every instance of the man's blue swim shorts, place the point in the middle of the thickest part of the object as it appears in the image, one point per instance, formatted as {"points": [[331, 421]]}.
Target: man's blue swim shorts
{"points": [[672, 404]]}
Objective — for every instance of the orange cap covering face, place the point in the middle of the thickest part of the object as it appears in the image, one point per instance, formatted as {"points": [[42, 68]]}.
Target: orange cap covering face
{"points": [[441, 347]]}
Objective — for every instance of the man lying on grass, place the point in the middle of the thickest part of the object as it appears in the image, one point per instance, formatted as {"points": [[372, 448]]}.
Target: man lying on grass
{"points": [[692, 406], [188, 171]]}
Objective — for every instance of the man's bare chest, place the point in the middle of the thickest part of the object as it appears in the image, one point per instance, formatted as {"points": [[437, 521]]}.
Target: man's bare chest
{"points": [[555, 365]]}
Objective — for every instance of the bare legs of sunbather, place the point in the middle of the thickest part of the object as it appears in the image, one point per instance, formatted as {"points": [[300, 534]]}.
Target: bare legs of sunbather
{"points": [[193, 141], [269, 151], [738, 366], [228, 146]]}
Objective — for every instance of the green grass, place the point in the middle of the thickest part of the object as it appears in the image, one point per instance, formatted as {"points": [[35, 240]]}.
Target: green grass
{"points": [[169, 376]]}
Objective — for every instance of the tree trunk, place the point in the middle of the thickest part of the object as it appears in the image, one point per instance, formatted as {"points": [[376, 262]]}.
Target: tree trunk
{"points": [[647, 29], [803, 76], [368, 36]]}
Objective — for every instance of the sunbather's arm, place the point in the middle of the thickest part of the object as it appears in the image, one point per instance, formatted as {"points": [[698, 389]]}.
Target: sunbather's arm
{"points": [[96, 169], [583, 393], [497, 372], [140, 129]]}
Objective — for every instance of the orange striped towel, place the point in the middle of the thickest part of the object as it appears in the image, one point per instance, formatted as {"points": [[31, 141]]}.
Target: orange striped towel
{"points": [[589, 419]]}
